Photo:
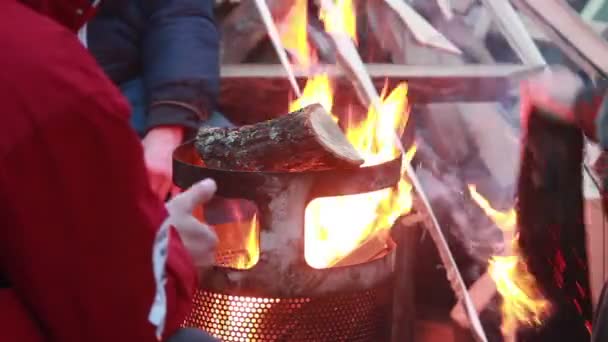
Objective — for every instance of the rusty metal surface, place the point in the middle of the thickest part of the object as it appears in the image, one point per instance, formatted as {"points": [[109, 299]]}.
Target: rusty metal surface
{"points": [[281, 199], [188, 169]]}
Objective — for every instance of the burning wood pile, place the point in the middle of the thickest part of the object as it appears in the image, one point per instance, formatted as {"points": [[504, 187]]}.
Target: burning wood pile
{"points": [[318, 253], [358, 79]]}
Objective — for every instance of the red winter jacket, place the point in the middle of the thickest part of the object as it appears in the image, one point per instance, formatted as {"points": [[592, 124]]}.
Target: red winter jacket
{"points": [[77, 216]]}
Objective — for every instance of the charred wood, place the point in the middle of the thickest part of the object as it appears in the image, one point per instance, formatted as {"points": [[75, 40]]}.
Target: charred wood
{"points": [[302, 140], [551, 226]]}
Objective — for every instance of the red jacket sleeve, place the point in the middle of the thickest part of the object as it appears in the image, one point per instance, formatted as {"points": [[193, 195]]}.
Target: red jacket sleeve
{"points": [[77, 216]]}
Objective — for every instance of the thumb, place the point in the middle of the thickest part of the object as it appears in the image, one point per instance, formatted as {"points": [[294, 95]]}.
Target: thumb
{"points": [[196, 195]]}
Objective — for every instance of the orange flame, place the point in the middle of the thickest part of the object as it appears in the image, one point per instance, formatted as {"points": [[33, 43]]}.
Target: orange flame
{"points": [[505, 221], [339, 16], [294, 34], [336, 226], [251, 246], [523, 302], [238, 245], [317, 90]]}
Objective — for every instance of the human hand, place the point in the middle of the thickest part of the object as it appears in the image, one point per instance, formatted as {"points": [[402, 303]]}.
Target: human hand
{"points": [[159, 144], [198, 238]]}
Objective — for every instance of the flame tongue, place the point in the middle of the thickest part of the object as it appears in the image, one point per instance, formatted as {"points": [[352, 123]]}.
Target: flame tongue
{"points": [[506, 221], [523, 303], [339, 17], [294, 34], [317, 90], [335, 226]]}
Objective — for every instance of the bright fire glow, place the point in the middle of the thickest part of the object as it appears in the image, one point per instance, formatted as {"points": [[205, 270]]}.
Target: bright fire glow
{"points": [[340, 17], [294, 34], [251, 246], [506, 221], [232, 250], [317, 90], [336, 226], [523, 303], [242, 316]]}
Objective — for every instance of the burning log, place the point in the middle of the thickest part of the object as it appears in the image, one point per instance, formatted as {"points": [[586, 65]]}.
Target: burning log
{"points": [[482, 291], [551, 225], [302, 140]]}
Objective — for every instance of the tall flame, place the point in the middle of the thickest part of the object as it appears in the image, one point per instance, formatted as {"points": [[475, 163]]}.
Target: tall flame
{"points": [[317, 90], [336, 226], [506, 221], [339, 16], [238, 245], [523, 302], [252, 255], [294, 34]]}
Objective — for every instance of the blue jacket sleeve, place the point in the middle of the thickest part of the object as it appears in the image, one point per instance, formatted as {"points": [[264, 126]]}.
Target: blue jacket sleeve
{"points": [[180, 62]]}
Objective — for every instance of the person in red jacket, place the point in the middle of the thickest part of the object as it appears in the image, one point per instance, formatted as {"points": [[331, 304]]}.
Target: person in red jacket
{"points": [[78, 218]]}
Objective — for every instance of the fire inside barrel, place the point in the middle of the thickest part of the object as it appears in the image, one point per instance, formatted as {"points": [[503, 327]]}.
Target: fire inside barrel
{"points": [[344, 231], [337, 226]]}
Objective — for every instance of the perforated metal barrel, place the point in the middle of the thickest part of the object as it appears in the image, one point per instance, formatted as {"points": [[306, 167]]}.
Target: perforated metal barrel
{"points": [[344, 316], [281, 297]]}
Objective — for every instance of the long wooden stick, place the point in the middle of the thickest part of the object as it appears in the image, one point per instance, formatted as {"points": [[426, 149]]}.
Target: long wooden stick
{"points": [[514, 30], [592, 8], [446, 8], [483, 289], [349, 59], [275, 38], [422, 30], [446, 256], [570, 33]]}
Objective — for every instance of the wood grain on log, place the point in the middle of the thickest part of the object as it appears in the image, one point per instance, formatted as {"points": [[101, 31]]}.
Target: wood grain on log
{"points": [[303, 140]]}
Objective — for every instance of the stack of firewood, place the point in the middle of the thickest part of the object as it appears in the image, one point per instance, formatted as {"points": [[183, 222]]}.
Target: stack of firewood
{"points": [[460, 140], [457, 143]]}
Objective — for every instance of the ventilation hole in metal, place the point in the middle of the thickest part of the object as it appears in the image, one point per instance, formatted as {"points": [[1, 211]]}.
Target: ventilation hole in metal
{"points": [[356, 316]]}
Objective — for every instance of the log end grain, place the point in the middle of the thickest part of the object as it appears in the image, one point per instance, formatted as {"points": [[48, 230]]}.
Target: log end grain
{"points": [[330, 136], [306, 139]]}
